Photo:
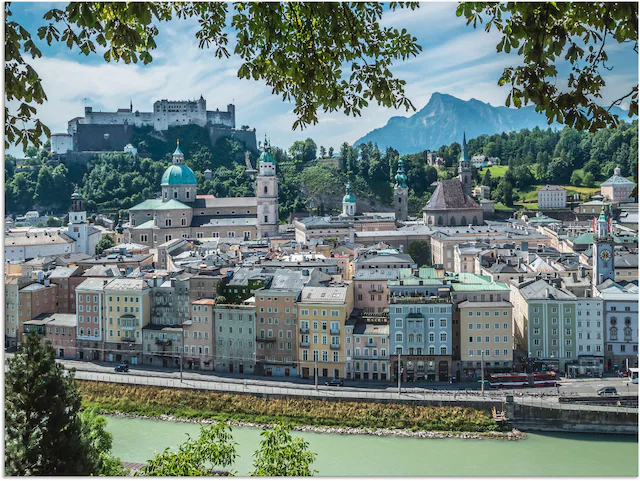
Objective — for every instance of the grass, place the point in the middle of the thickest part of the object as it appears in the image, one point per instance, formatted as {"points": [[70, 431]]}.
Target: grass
{"points": [[503, 207], [497, 171], [192, 404]]}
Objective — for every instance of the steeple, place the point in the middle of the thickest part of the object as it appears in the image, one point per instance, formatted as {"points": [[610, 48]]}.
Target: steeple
{"points": [[464, 155], [401, 177], [131, 105], [178, 156], [349, 202], [401, 193], [464, 167]]}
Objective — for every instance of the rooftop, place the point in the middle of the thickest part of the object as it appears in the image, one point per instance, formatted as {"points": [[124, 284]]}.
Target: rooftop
{"points": [[324, 295]]}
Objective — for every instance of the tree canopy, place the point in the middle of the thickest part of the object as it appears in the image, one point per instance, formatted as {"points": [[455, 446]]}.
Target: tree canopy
{"points": [[546, 33], [297, 49]]}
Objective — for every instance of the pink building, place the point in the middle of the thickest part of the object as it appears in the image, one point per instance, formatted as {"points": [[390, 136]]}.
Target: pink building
{"points": [[371, 289], [59, 329], [198, 339], [90, 315]]}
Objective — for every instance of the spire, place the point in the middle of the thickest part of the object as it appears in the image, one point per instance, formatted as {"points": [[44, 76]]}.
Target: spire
{"points": [[131, 105], [401, 177], [464, 155]]}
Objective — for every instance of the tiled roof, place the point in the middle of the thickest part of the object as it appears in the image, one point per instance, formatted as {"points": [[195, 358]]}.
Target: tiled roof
{"points": [[157, 204], [449, 194]]}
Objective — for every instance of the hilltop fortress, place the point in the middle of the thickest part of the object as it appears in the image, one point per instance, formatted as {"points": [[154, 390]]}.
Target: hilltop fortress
{"points": [[112, 131]]}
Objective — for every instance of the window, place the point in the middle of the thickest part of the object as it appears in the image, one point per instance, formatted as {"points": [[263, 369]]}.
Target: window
{"points": [[398, 323], [399, 337], [471, 326]]}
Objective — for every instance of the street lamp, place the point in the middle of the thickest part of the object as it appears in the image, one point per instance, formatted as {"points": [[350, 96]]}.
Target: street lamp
{"points": [[482, 371], [399, 353]]}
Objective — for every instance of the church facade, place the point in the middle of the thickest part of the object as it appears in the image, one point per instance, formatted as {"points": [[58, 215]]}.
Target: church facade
{"points": [[451, 203], [181, 213]]}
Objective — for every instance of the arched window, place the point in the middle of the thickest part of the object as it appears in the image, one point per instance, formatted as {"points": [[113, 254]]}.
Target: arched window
{"points": [[410, 337], [187, 194], [175, 194], [419, 338], [453, 221], [627, 334], [431, 337], [95, 333], [440, 220], [399, 200], [613, 333], [81, 332], [165, 194], [167, 222], [463, 221], [475, 220]]}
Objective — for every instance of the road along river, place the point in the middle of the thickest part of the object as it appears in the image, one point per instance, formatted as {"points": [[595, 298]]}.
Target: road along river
{"points": [[135, 440]]}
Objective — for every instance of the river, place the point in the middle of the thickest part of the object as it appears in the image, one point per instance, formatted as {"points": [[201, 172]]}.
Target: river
{"points": [[349, 455]]}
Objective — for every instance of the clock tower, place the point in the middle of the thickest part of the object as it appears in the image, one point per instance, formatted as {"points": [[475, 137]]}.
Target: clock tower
{"points": [[603, 254]]}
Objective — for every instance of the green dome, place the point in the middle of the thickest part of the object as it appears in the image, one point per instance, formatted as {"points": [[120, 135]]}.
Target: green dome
{"points": [[349, 197], [178, 175], [401, 177], [76, 195], [266, 156]]}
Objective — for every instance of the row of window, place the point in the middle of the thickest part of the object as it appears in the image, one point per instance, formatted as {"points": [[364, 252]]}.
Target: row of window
{"points": [[125, 298], [335, 356], [287, 310], [399, 323], [418, 351], [335, 340], [488, 313], [232, 342], [305, 312], [487, 326], [422, 310], [487, 352], [95, 298], [275, 320], [304, 324], [487, 339]]}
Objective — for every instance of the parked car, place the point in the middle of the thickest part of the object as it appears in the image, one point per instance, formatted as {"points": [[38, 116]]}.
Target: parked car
{"points": [[122, 367], [607, 391], [335, 382]]}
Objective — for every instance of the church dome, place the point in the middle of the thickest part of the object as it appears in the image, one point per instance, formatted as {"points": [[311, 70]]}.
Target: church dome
{"points": [[266, 156], [349, 197], [401, 177], [178, 175]]}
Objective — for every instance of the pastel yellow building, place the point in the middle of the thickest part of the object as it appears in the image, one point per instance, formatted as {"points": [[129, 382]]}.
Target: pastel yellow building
{"points": [[322, 313], [127, 306]]}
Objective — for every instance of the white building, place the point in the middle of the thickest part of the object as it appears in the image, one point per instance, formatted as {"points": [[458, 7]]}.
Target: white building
{"points": [[61, 143], [552, 197], [589, 328], [617, 188]]}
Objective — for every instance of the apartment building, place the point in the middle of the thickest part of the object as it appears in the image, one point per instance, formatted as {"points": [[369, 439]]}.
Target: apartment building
{"points": [[127, 307], [552, 197], [371, 288], [420, 333], [12, 286], [486, 338], [322, 314], [162, 346], [35, 299], [90, 310], [199, 335], [367, 346], [235, 337], [67, 279]]}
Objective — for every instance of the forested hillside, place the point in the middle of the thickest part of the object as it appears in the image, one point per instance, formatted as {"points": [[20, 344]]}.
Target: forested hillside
{"points": [[530, 158]]}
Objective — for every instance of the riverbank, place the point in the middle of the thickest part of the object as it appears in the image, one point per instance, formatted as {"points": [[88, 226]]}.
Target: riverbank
{"points": [[344, 417], [512, 435]]}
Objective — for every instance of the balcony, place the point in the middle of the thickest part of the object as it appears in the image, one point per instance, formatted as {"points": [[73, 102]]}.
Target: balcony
{"points": [[419, 300], [335, 330], [128, 339], [265, 338], [304, 330], [304, 344], [163, 342], [335, 346]]}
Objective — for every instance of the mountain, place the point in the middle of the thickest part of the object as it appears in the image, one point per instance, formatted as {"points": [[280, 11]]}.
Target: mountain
{"points": [[443, 120]]}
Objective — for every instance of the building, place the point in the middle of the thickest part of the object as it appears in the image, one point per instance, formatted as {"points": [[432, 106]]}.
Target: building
{"points": [[199, 331], [322, 314], [481, 192], [451, 203], [35, 299], [235, 337], [603, 253], [183, 214], [552, 197], [127, 307], [420, 336], [162, 346], [67, 279], [545, 325], [367, 346], [13, 308], [277, 330], [58, 329], [486, 338], [617, 188], [401, 194], [371, 289], [620, 324], [349, 202], [90, 310], [590, 339]]}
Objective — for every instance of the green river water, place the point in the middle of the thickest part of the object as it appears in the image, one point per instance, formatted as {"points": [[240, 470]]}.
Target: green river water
{"points": [[348, 455]]}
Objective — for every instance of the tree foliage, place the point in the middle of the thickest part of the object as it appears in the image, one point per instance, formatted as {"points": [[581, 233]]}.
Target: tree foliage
{"points": [[420, 252], [103, 244], [545, 34], [297, 49], [280, 454], [43, 427]]}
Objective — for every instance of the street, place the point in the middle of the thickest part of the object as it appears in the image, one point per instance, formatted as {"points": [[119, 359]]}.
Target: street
{"points": [[249, 383]]}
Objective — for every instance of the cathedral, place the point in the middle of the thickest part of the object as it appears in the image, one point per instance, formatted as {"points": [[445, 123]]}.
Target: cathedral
{"points": [[180, 213], [451, 203]]}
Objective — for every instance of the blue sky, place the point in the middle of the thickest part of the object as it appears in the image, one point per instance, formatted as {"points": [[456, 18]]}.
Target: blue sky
{"points": [[456, 59]]}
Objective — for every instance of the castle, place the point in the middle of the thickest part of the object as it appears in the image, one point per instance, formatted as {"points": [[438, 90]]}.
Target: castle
{"points": [[111, 131], [181, 213]]}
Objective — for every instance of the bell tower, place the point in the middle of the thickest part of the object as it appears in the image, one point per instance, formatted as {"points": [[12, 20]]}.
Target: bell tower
{"points": [[78, 228], [464, 167], [603, 253], [401, 193], [267, 193]]}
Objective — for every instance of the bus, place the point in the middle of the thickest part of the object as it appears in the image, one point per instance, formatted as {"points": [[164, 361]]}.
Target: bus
{"points": [[516, 380], [633, 375]]}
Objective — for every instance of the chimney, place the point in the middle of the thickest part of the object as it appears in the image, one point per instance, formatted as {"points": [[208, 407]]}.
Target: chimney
{"points": [[546, 293]]}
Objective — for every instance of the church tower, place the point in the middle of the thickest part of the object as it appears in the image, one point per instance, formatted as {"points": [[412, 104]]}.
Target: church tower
{"points": [[603, 254], [349, 202], [267, 193], [78, 228], [179, 181], [464, 167], [401, 193]]}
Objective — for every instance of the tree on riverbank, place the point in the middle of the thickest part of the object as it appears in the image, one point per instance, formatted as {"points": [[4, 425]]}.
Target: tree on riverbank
{"points": [[279, 455], [45, 433]]}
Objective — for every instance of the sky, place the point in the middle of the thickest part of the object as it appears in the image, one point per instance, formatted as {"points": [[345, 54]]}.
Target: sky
{"points": [[456, 59]]}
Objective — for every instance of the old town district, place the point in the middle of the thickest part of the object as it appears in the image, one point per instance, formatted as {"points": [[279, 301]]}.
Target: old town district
{"points": [[504, 296]]}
